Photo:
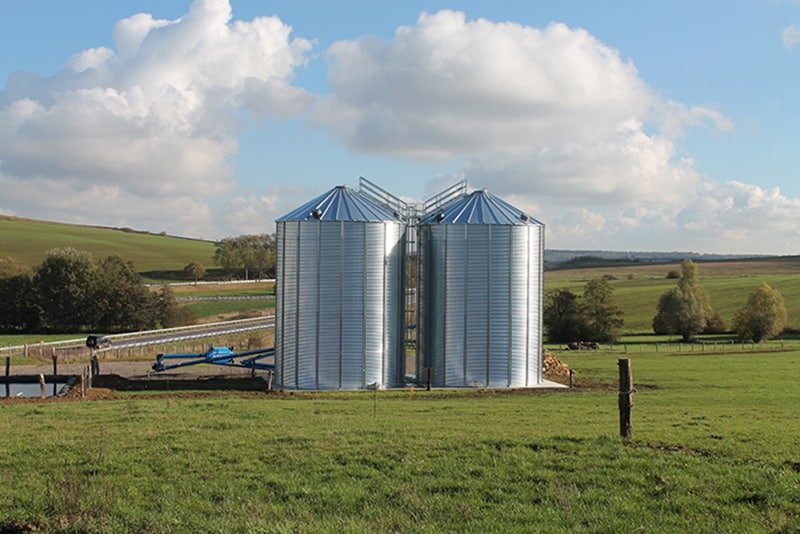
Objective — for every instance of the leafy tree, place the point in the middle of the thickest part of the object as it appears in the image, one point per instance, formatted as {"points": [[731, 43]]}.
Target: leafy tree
{"points": [[594, 316], [602, 315], [763, 316], [65, 285], [18, 310], [122, 302], [252, 253], [195, 271], [167, 310], [714, 324], [226, 255], [10, 268], [685, 309], [562, 316], [263, 254]]}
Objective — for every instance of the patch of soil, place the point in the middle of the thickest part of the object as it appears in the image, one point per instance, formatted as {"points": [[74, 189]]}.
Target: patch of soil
{"points": [[157, 383]]}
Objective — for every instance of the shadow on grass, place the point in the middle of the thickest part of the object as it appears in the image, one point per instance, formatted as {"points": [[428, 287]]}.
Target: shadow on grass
{"points": [[118, 383]]}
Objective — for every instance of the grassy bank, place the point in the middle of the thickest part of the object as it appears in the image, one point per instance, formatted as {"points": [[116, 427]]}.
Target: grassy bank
{"points": [[714, 449], [27, 241]]}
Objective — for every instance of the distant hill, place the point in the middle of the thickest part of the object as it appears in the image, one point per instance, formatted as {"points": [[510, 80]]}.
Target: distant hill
{"points": [[576, 259], [27, 241]]}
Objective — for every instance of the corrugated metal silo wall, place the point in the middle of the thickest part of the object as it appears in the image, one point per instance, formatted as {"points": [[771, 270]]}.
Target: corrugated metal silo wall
{"points": [[339, 312], [480, 304]]}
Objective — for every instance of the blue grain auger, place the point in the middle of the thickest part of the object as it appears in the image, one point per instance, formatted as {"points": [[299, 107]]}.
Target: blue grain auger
{"points": [[224, 356]]}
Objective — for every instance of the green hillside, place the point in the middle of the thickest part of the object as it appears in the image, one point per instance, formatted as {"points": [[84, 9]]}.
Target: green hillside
{"points": [[27, 241], [638, 287]]}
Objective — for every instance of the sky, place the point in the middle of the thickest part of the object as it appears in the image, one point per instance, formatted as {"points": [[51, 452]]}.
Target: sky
{"points": [[621, 125]]}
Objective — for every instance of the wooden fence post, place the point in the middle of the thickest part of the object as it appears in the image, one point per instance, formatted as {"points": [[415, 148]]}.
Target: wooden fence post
{"points": [[571, 378], [8, 365], [42, 386], [55, 363], [625, 397]]}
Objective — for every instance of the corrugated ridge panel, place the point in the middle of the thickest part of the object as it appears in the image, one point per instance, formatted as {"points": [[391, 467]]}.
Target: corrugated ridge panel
{"points": [[477, 305], [455, 288], [307, 316], [374, 304], [500, 307], [519, 306], [353, 296], [289, 319], [330, 316]]}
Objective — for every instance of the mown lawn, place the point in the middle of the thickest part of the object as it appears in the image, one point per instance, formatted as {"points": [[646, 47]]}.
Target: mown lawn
{"points": [[715, 448]]}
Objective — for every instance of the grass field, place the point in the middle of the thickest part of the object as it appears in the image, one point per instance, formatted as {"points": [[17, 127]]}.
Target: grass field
{"points": [[638, 288], [229, 290], [27, 241], [220, 310], [715, 449]]}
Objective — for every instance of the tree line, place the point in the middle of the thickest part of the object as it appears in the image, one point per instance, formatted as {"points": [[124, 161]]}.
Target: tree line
{"points": [[70, 291], [684, 310], [252, 255]]}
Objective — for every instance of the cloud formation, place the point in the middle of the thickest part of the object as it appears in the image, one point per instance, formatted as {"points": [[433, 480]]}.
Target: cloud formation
{"points": [[551, 117], [150, 125], [790, 36], [543, 112]]}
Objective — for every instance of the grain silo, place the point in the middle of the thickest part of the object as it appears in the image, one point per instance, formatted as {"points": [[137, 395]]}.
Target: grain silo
{"points": [[480, 293], [339, 294]]}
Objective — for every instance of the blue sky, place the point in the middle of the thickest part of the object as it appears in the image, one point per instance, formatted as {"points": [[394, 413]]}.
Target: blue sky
{"points": [[625, 125]]}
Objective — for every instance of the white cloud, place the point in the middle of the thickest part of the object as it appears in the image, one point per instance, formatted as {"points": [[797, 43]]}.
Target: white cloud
{"points": [[741, 211], [255, 212], [553, 119], [532, 112], [111, 205], [448, 87], [151, 123], [790, 36]]}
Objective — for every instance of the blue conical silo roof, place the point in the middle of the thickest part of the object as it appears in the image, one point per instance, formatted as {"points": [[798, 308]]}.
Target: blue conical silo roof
{"points": [[341, 204], [478, 207]]}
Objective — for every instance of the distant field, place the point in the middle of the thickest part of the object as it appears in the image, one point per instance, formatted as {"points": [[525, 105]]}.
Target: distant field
{"points": [[210, 311], [228, 290], [27, 241], [638, 287]]}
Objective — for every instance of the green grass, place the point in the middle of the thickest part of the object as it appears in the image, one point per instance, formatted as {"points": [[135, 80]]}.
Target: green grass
{"points": [[215, 308], [27, 241], [714, 450], [12, 340], [228, 290], [638, 288]]}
